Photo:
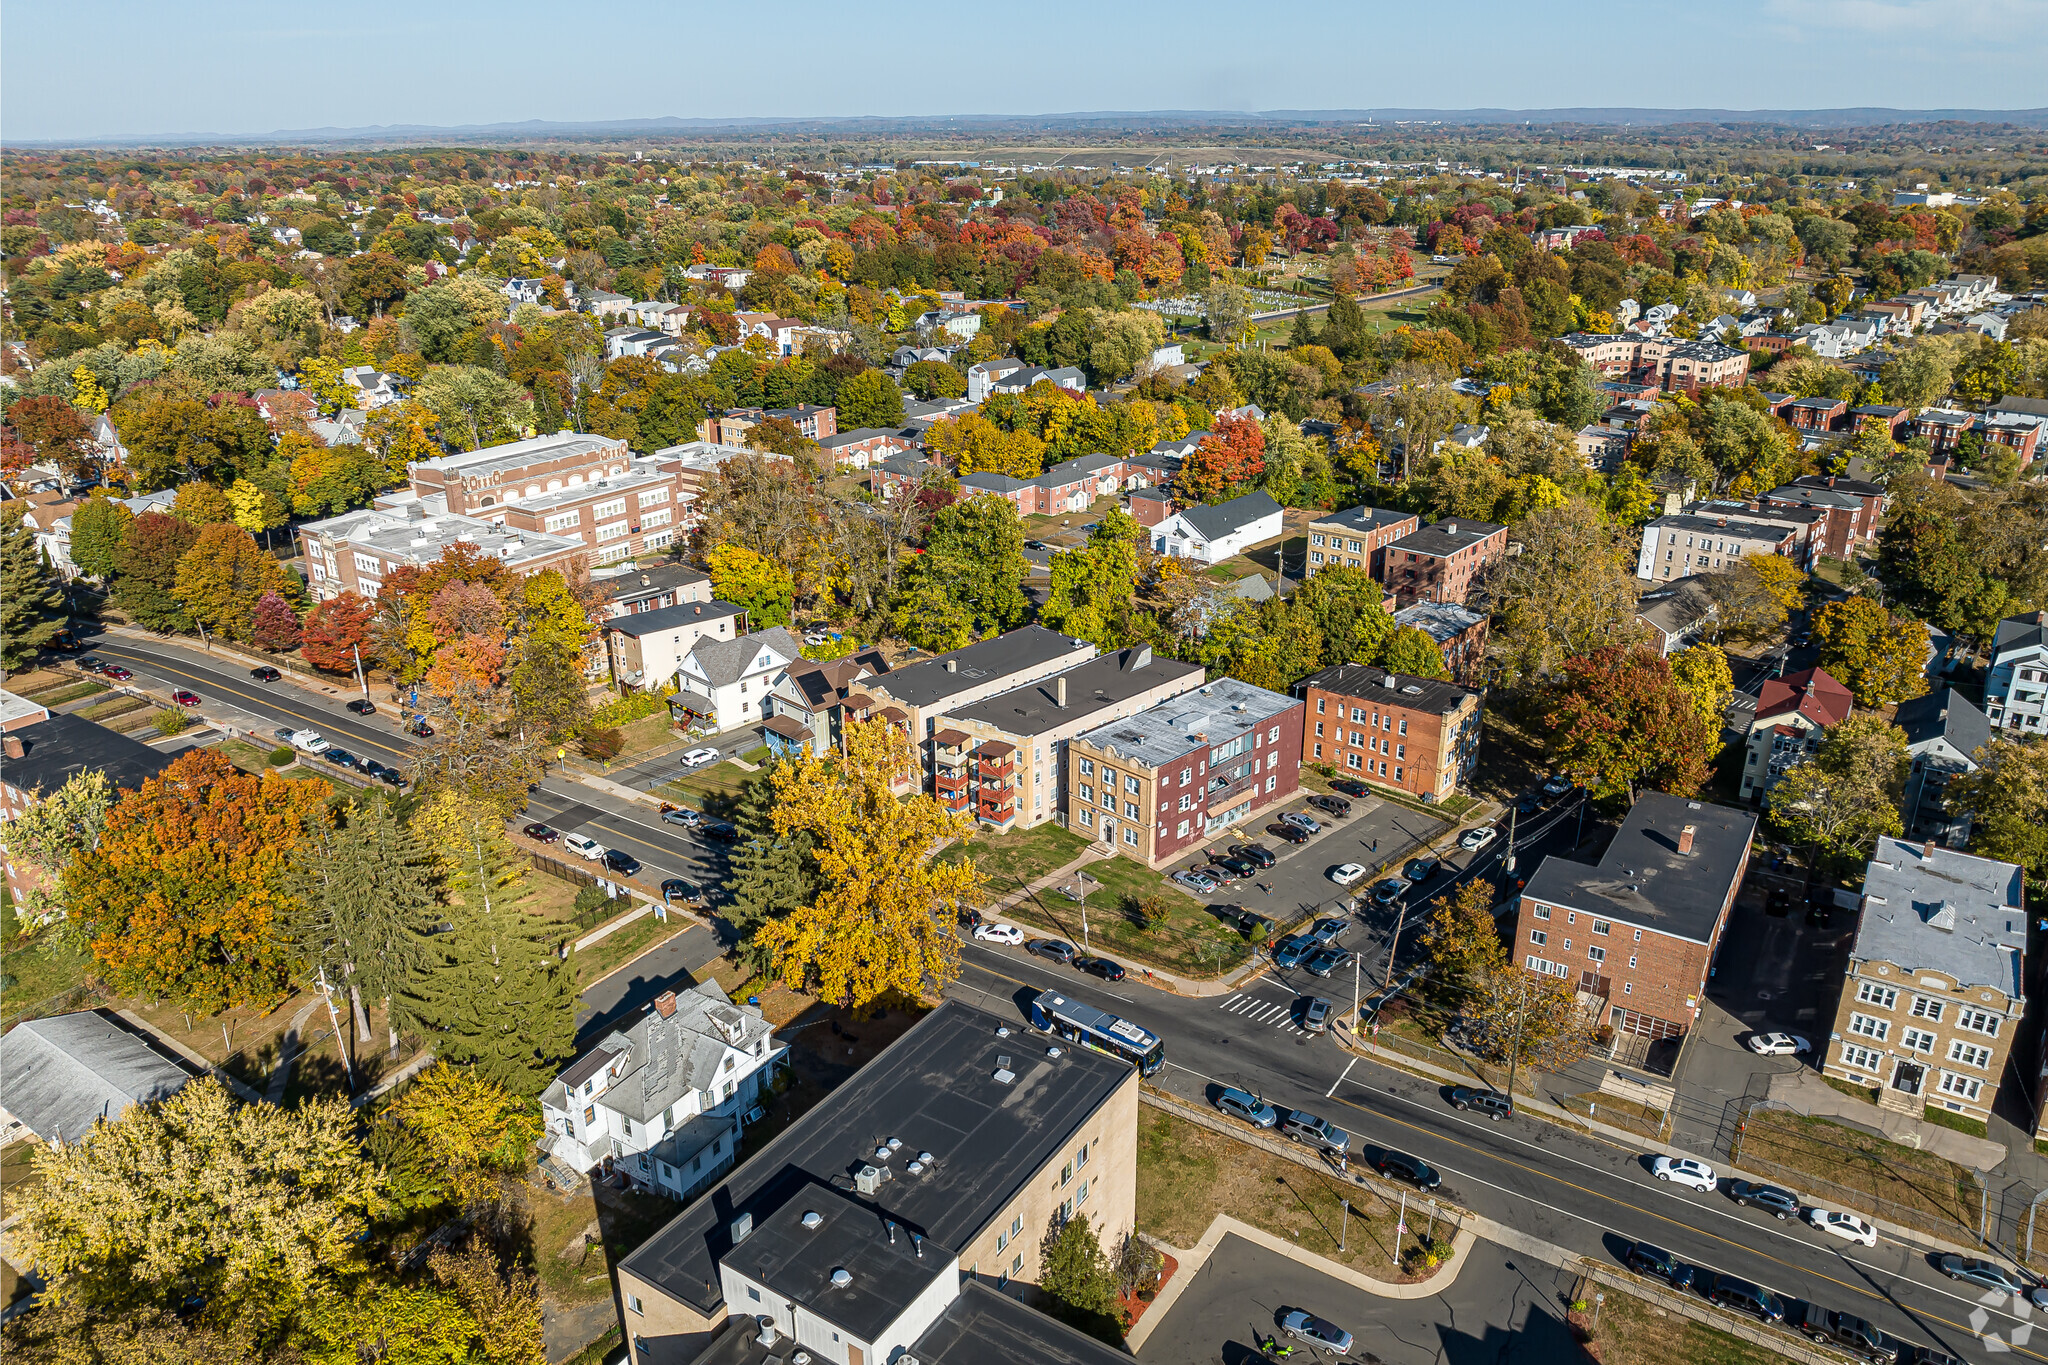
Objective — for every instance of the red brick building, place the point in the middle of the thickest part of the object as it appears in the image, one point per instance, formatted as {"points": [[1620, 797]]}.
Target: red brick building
{"points": [[1638, 933], [1418, 735], [1440, 562], [1357, 538]]}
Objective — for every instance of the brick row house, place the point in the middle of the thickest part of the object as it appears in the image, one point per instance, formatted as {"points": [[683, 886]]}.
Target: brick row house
{"points": [[1854, 509], [1440, 562], [1417, 735], [1357, 538], [1069, 486]]}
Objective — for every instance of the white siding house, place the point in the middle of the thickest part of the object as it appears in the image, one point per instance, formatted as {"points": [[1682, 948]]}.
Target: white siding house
{"points": [[1213, 534]]}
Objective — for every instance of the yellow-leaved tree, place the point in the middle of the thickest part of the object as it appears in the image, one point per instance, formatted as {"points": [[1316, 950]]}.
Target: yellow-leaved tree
{"points": [[883, 924]]}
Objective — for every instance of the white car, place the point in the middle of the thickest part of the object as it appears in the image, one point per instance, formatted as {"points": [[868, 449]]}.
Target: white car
{"points": [[1472, 840], [1846, 1226], [1696, 1175], [1347, 874], [583, 846], [993, 932], [1778, 1044], [697, 758]]}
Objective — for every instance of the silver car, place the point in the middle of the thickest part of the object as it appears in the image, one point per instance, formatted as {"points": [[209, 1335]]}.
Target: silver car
{"points": [[1303, 822]]}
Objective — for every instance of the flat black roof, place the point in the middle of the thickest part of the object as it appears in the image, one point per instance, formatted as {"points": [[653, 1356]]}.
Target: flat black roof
{"points": [[980, 1327], [1103, 681], [1644, 880], [1430, 695], [1445, 538], [671, 618], [60, 748], [796, 1251], [922, 684], [935, 1090]]}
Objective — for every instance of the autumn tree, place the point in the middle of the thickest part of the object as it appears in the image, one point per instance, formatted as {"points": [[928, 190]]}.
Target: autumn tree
{"points": [[99, 530], [1226, 462], [1617, 720], [335, 631], [546, 680], [1570, 592], [1413, 652], [976, 445], [1752, 597], [53, 831], [930, 379], [186, 898], [870, 399], [475, 1129], [1879, 657], [1847, 794], [31, 603], [146, 580], [1499, 1003], [222, 577], [1703, 671], [1094, 585], [754, 581], [882, 924], [273, 625], [973, 559], [57, 432], [2006, 802]]}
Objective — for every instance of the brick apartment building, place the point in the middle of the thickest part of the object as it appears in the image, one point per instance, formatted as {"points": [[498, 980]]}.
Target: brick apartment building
{"points": [[1818, 414], [1357, 538], [731, 428], [1441, 561], [1936, 982], [1154, 785], [1415, 734], [1670, 363], [1637, 934], [1943, 428], [1686, 543], [1852, 509], [44, 749], [356, 551], [1459, 632]]}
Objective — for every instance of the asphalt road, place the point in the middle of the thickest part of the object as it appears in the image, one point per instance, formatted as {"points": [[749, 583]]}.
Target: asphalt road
{"points": [[1582, 1193]]}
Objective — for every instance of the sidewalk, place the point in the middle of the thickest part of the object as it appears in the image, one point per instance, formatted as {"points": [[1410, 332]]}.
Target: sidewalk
{"points": [[1805, 1093]]}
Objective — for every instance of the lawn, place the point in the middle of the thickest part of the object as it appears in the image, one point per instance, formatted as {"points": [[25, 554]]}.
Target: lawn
{"points": [[1633, 1331], [621, 946], [1839, 1163], [1188, 1174], [250, 758], [1192, 942], [719, 782], [644, 735], [61, 688], [577, 1240], [1016, 858], [44, 975], [103, 711]]}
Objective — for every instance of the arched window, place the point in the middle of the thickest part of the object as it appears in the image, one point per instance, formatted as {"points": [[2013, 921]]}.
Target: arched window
{"points": [[487, 501]]}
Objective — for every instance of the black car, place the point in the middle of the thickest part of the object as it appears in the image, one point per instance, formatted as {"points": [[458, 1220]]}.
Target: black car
{"points": [[1744, 1297], [720, 831], [363, 706], [1529, 803], [391, 777], [1056, 949], [623, 863], [1326, 960], [1925, 1355], [1409, 1169], [1239, 868], [92, 665], [1287, 832], [1772, 1199], [265, 673], [1350, 788], [1102, 967], [421, 729], [1246, 922], [369, 767], [1491, 1103], [1420, 869], [1645, 1259], [1335, 805], [340, 758], [676, 889], [1254, 854], [1225, 870], [545, 834], [1036, 545]]}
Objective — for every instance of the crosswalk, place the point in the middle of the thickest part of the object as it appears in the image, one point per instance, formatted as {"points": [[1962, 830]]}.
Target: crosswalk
{"points": [[1252, 1009]]}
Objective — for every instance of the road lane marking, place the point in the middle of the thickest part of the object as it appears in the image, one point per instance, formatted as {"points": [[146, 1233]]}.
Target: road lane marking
{"points": [[1340, 1080], [234, 690]]}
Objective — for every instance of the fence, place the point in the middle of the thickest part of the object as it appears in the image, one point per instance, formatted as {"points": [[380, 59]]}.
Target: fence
{"points": [[1777, 1340], [1774, 1141]]}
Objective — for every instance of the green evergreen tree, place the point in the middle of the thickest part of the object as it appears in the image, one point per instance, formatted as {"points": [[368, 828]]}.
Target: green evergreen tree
{"points": [[771, 875], [1304, 333], [1078, 1279], [369, 898], [31, 603], [493, 995]]}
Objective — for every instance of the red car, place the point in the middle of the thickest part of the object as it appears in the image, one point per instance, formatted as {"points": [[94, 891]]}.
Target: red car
{"points": [[117, 672], [184, 698]]}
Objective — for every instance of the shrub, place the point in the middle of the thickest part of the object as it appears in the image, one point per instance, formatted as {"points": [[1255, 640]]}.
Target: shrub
{"points": [[601, 745], [169, 721], [623, 710], [1148, 914], [282, 756]]}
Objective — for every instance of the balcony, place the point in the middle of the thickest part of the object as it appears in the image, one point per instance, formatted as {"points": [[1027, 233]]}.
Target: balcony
{"points": [[950, 782], [996, 762], [998, 808], [949, 748]]}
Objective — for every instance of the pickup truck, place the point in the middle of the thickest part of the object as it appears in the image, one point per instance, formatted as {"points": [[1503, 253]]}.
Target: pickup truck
{"points": [[309, 741], [1843, 1331]]}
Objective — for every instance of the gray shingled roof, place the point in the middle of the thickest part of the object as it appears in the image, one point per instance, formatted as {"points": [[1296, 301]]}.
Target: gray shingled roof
{"points": [[1946, 714], [64, 1074], [1226, 517], [727, 661]]}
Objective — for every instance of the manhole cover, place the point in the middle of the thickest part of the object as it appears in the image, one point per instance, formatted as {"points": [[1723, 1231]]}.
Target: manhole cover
{"points": [[1763, 995]]}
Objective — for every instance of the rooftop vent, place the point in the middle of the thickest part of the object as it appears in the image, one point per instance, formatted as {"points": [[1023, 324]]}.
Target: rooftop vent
{"points": [[1412, 690], [1004, 1075], [895, 1144], [741, 1226], [841, 1278], [868, 1178], [881, 1153], [1003, 1031], [767, 1336], [926, 1157], [915, 1167], [813, 1219], [1052, 1052]]}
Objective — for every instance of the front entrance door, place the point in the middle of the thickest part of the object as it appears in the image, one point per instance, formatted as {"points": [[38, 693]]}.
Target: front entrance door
{"points": [[1908, 1077]]}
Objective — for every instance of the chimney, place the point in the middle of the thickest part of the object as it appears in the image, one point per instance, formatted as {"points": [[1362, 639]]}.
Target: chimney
{"points": [[1059, 690], [698, 612], [1387, 681], [1451, 527], [1685, 839], [952, 665], [665, 1004], [12, 746], [1927, 849]]}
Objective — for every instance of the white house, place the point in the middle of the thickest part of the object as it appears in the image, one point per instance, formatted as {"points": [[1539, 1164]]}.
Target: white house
{"points": [[725, 681], [375, 387], [661, 1100], [2016, 687], [647, 648], [1214, 534], [1944, 734], [982, 377]]}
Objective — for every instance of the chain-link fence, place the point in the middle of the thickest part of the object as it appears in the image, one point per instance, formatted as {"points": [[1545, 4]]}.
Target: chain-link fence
{"points": [[1829, 1163]]}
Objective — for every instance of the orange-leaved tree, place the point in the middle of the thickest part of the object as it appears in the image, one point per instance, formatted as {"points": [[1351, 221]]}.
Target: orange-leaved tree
{"points": [[1227, 462], [184, 898]]}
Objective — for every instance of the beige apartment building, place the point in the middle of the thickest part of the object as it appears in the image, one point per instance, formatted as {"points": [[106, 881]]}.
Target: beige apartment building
{"points": [[1935, 988]]}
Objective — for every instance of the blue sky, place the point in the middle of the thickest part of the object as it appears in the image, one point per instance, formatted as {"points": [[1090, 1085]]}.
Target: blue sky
{"points": [[93, 68]]}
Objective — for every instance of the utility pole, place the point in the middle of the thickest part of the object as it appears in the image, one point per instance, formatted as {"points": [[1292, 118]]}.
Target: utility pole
{"points": [[1400, 923], [1515, 1053], [1357, 971], [340, 1039], [360, 680], [1507, 862]]}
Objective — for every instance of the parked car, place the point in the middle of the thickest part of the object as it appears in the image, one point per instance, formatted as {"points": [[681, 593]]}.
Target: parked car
{"points": [[816, 637], [1387, 891], [1350, 788], [308, 742], [391, 777], [117, 673], [1491, 1103], [369, 767], [1846, 1226], [1344, 874], [1197, 880], [720, 831], [340, 758], [1775, 1200], [1328, 931], [1054, 949], [675, 889], [1528, 803], [1302, 821], [421, 729], [697, 758], [1910, 1354], [1315, 1014], [1036, 545], [1306, 1326], [1293, 834], [1102, 967], [621, 862], [363, 706], [184, 698], [1292, 951], [1645, 1259], [1778, 1044], [1242, 1104], [1239, 868], [265, 673], [1557, 785], [1219, 873], [1326, 960], [993, 932], [1683, 1170], [583, 846], [681, 815], [1255, 854], [1420, 870], [1472, 840], [1744, 1297], [284, 734], [543, 833], [1983, 1274], [1246, 922], [91, 665], [1315, 1132], [1412, 1170], [1335, 805]]}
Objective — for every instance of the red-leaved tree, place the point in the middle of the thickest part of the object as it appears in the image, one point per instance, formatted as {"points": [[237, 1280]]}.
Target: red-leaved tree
{"points": [[1618, 720], [273, 625], [1227, 462], [333, 627]]}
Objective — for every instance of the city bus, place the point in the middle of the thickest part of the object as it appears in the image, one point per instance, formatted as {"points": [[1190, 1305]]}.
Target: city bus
{"points": [[1097, 1029]]}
